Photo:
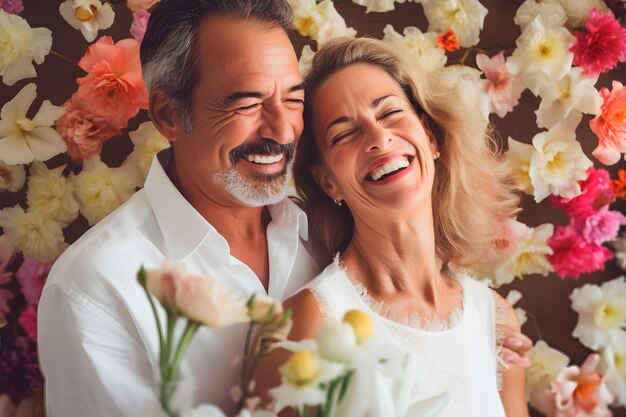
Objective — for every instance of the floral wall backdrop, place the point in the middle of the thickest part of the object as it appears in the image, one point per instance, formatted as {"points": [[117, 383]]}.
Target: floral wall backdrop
{"points": [[75, 143]]}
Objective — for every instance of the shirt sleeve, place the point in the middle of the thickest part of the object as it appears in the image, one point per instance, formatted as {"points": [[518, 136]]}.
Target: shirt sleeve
{"points": [[92, 364]]}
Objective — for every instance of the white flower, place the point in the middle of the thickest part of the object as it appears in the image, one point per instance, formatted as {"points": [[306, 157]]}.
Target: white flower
{"points": [[12, 177], [263, 309], [147, 143], [578, 10], [464, 17], [613, 365], [422, 46], [557, 164], [336, 341], [542, 54], [545, 364], [306, 58], [101, 189], [51, 194], [549, 9], [23, 139], [512, 298], [87, 15], [601, 312], [378, 5], [519, 155], [620, 250], [19, 46], [569, 97], [34, 235], [319, 21], [529, 255], [466, 80]]}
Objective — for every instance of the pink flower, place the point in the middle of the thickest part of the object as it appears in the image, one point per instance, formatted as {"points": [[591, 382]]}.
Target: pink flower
{"points": [[581, 391], [12, 6], [5, 297], [32, 276], [140, 22], [596, 193], [135, 5], [573, 255], [83, 132], [610, 125], [28, 321], [114, 87], [503, 88], [602, 226], [601, 44]]}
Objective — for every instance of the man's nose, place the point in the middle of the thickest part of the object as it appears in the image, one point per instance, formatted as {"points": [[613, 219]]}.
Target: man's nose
{"points": [[277, 125]]}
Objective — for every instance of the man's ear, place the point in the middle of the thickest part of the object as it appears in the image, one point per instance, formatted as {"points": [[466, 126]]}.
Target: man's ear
{"points": [[164, 116], [321, 177]]}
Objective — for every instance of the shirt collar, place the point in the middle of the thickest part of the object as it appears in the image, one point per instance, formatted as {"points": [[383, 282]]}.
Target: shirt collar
{"points": [[183, 227]]}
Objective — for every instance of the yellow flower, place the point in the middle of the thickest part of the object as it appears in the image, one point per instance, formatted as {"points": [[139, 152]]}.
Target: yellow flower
{"points": [[51, 194], [361, 323], [147, 141], [300, 369]]}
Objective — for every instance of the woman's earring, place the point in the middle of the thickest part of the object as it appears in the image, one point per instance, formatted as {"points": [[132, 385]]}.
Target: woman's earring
{"points": [[338, 202], [437, 155]]}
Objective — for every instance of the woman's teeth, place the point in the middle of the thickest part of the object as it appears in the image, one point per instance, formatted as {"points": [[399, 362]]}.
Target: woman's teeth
{"points": [[389, 167], [264, 159]]}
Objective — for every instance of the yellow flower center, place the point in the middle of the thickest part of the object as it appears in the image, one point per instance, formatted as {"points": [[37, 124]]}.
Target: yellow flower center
{"points": [[609, 316], [301, 368], [85, 14], [25, 124], [361, 323], [303, 24], [620, 363]]}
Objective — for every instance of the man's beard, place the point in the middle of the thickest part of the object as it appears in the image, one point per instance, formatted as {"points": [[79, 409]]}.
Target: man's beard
{"points": [[263, 189]]}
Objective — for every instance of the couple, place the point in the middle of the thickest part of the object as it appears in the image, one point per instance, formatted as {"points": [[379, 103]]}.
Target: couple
{"points": [[394, 180]]}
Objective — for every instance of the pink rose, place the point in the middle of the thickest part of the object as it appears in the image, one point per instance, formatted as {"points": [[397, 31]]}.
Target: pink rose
{"points": [[610, 125], [28, 321], [602, 226], [114, 87], [32, 276], [135, 5], [596, 193], [140, 22], [573, 255], [12, 6], [208, 301], [83, 132], [581, 391]]}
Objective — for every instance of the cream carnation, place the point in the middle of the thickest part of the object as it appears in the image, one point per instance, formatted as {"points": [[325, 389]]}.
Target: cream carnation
{"points": [[147, 141], [578, 10], [12, 177], [51, 194], [34, 235], [101, 189], [422, 46], [19, 46], [464, 17]]}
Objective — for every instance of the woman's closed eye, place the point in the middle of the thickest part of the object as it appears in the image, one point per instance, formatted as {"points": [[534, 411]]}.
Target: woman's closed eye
{"points": [[391, 113], [340, 136]]}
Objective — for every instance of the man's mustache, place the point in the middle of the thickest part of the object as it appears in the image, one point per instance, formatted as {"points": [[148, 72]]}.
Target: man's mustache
{"points": [[262, 147]]}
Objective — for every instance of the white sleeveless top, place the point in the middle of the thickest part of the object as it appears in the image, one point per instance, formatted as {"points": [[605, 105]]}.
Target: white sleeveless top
{"points": [[459, 356]]}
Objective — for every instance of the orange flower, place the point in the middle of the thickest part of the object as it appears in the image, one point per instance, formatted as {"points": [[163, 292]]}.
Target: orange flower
{"points": [[610, 125], [619, 185], [114, 87], [448, 41]]}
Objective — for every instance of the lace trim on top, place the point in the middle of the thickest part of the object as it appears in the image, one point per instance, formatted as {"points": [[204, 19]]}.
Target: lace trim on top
{"points": [[500, 316], [412, 320]]}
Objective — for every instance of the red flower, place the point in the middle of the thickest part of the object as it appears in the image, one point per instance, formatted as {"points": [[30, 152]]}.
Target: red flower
{"points": [[595, 194], [619, 185], [448, 41], [28, 321], [573, 255], [601, 43]]}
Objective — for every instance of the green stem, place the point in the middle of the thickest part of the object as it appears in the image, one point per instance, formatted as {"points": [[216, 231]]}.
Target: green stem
{"points": [[244, 368], [63, 57], [190, 330], [172, 318], [162, 357]]}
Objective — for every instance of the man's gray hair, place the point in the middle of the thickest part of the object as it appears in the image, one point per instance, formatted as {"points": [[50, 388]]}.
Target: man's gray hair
{"points": [[167, 50]]}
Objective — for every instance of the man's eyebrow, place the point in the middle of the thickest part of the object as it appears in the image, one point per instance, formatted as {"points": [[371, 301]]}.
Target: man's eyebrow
{"points": [[238, 95], [296, 88]]}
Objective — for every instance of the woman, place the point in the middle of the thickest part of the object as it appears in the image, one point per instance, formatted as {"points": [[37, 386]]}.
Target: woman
{"points": [[403, 183]]}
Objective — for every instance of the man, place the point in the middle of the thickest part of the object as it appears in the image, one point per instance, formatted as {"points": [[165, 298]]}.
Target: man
{"points": [[225, 90]]}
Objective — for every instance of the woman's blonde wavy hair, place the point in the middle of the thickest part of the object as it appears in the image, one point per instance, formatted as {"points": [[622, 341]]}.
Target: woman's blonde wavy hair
{"points": [[473, 193]]}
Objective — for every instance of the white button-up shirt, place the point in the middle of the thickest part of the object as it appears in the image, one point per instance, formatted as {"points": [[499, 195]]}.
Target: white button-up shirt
{"points": [[98, 343]]}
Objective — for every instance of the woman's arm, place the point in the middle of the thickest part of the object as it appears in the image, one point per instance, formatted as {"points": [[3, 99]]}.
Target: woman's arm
{"points": [[513, 393], [307, 318]]}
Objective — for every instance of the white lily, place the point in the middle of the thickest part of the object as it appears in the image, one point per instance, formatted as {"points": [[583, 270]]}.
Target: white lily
{"points": [[378, 5], [519, 155], [550, 9], [306, 59], [422, 46], [613, 365], [23, 139], [464, 17], [87, 15]]}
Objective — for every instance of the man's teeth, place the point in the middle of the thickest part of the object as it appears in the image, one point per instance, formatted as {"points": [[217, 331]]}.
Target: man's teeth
{"points": [[391, 166], [264, 159]]}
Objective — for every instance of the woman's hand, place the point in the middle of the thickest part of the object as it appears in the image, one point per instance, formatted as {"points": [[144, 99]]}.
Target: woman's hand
{"points": [[515, 346]]}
